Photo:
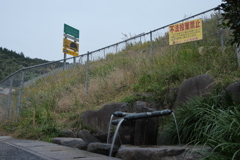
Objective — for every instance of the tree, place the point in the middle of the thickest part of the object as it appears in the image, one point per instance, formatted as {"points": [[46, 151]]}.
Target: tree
{"points": [[231, 18], [22, 55]]}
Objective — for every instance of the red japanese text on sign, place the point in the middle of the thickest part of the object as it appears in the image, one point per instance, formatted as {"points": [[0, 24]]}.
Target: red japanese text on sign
{"points": [[185, 32], [185, 26]]}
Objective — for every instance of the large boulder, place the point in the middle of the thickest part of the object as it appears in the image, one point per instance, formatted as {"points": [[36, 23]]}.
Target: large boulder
{"points": [[125, 133], [195, 86], [234, 91], [128, 152], [102, 148], [169, 98], [70, 142], [67, 133], [102, 136], [146, 130], [87, 137], [99, 120], [140, 131]]}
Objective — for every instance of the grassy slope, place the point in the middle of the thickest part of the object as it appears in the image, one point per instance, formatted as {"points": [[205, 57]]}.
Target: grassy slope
{"points": [[57, 101]]}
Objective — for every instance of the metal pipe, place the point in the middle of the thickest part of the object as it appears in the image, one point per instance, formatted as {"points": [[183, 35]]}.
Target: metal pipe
{"points": [[148, 114], [116, 121], [120, 114], [134, 116]]}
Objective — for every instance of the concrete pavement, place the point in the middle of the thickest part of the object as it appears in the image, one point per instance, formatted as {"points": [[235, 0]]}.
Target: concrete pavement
{"points": [[14, 149]]}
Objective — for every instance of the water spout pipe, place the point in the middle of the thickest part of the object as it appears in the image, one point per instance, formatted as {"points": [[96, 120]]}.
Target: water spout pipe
{"points": [[116, 121], [133, 116], [120, 114], [148, 114]]}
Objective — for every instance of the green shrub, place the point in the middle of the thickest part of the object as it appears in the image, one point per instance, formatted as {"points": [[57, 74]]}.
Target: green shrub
{"points": [[212, 120]]}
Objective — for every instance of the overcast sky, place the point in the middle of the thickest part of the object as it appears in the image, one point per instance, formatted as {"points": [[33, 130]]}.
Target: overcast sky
{"points": [[35, 27]]}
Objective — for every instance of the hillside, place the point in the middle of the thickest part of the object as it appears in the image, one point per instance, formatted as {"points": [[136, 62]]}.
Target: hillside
{"points": [[10, 61], [57, 101]]}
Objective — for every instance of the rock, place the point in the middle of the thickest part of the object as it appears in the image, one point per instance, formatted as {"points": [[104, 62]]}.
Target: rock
{"points": [[67, 133], [141, 131], [234, 91], [99, 120], [125, 133], [102, 136], [146, 130], [170, 96], [128, 152], [87, 137], [70, 142], [195, 86], [136, 132], [102, 148], [140, 106]]}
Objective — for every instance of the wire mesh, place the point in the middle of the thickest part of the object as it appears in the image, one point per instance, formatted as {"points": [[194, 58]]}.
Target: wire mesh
{"points": [[4, 98]]}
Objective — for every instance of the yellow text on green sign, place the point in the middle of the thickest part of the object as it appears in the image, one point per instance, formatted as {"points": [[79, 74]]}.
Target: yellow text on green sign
{"points": [[72, 53], [70, 44], [185, 32]]}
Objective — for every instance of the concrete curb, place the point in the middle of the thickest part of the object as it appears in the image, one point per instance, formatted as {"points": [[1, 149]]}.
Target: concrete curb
{"points": [[50, 151]]}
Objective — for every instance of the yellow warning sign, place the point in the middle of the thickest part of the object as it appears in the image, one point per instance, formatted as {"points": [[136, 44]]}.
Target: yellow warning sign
{"points": [[67, 51], [185, 32], [70, 44]]}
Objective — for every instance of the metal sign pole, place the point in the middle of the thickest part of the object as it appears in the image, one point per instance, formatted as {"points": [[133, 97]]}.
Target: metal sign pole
{"points": [[64, 63], [70, 47], [74, 58]]}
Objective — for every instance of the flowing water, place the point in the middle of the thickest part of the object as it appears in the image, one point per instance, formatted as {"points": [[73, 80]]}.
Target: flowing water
{"points": [[115, 135], [109, 128], [179, 142]]}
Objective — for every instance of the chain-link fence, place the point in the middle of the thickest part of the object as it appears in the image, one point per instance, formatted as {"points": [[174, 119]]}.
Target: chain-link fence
{"points": [[85, 66]]}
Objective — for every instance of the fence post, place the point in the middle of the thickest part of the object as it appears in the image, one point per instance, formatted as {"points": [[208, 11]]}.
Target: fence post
{"points": [[74, 60], [238, 54], [80, 60], [9, 97], [221, 29], [151, 51], [20, 94], [104, 53], [116, 48], [87, 72]]}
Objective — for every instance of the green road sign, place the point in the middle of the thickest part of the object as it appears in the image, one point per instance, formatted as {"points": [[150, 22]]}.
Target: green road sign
{"points": [[70, 30]]}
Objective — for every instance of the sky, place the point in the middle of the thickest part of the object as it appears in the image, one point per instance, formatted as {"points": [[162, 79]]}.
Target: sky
{"points": [[35, 27]]}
